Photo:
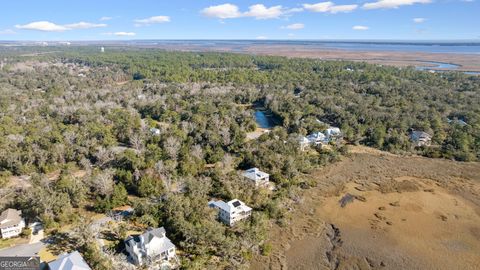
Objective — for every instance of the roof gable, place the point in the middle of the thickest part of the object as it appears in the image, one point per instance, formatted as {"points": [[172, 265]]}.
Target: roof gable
{"points": [[10, 217], [72, 261]]}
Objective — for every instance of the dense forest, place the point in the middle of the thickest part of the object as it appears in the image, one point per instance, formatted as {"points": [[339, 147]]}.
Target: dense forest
{"points": [[69, 110]]}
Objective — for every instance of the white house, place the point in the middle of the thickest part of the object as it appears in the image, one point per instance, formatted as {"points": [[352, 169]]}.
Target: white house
{"points": [[317, 138], [71, 261], [332, 132], [258, 177], [232, 211], [155, 131], [420, 138], [11, 223], [150, 247]]}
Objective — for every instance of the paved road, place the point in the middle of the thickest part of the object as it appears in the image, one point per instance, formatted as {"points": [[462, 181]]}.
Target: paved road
{"points": [[23, 250]]}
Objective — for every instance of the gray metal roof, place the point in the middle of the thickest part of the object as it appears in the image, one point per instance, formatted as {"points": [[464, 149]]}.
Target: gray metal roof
{"points": [[148, 236], [10, 217], [72, 261]]}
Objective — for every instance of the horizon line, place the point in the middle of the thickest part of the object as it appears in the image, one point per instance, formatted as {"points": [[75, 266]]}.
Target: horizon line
{"points": [[252, 39]]}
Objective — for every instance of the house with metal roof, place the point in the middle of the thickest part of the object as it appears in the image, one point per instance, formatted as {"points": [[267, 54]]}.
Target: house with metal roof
{"points": [[11, 223], [151, 247], [258, 177], [420, 138], [231, 212], [332, 132], [70, 261], [317, 138]]}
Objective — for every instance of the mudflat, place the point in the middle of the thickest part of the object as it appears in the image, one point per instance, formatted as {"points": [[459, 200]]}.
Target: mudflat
{"points": [[407, 212], [466, 62]]}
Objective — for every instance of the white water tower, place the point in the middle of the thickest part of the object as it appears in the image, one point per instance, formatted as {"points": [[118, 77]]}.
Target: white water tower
{"points": [[102, 49]]}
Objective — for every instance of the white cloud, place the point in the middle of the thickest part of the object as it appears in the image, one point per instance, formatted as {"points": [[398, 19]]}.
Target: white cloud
{"points": [[318, 7], [258, 11], [105, 18], [261, 12], [7, 32], [343, 8], [152, 20], [84, 25], [42, 26], [225, 11], [52, 27], [419, 20], [261, 37], [124, 34], [293, 10], [329, 7], [360, 27], [295, 26], [386, 4]]}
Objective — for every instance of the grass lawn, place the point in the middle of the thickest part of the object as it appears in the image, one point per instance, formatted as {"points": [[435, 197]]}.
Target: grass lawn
{"points": [[46, 255], [10, 242]]}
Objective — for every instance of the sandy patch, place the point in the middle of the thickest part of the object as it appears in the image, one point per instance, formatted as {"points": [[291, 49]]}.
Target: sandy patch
{"points": [[256, 133], [430, 226], [410, 212]]}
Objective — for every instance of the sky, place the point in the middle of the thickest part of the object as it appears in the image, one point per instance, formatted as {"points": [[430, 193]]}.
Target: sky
{"points": [[48, 20]]}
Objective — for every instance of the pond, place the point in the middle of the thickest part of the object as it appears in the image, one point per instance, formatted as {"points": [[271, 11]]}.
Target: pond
{"points": [[265, 119]]}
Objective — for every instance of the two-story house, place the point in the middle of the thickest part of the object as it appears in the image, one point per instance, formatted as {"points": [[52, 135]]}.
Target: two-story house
{"points": [[11, 223], [257, 177], [317, 138], [231, 212], [420, 138], [153, 246]]}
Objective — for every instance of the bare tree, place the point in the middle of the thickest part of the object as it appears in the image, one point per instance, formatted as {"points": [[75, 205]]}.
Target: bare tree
{"points": [[225, 133], [228, 162], [164, 174], [104, 156], [197, 152], [136, 142], [102, 182], [172, 146]]}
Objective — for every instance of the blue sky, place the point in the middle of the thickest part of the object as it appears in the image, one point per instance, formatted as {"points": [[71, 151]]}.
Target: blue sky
{"points": [[261, 19]]}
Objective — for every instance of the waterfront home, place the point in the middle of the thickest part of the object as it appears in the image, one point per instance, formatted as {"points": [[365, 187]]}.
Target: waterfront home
{"points": [[317, 138], [420, 138], [11, 223], [257, 177], [231, 212]]}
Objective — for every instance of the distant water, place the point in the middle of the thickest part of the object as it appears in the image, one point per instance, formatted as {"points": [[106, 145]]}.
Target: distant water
{"points": [[466, 48], [471, 47], [438, 65]]}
